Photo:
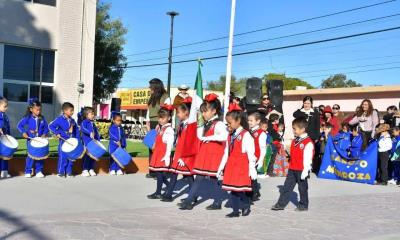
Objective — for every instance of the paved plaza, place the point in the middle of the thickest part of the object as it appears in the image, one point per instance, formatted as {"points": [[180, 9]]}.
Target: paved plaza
{"points": [[106, 207]]}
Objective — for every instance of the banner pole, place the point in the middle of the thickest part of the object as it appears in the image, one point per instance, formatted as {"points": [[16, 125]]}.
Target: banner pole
{"points": [[229, 60]]}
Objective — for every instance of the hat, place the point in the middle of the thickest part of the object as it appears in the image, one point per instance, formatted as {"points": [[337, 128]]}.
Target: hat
{"points": [[328, 109], [274, 112], [183, 87], [383, 128]]}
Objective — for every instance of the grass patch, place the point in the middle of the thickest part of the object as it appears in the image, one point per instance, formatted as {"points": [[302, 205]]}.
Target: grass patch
{"points": [[136, 149]]}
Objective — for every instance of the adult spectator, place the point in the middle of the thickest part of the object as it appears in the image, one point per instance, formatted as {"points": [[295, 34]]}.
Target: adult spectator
{"points": [[265, 106], [390, 117], [328, 117], [367, 119], [312, 117], [337, 113], [158, 96], [182, 94]]}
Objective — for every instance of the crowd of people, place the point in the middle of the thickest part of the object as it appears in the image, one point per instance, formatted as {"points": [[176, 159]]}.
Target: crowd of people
{"points": [[229, 156]]}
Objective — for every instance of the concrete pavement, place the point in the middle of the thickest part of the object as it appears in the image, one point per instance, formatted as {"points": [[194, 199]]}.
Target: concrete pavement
{"points": [[113, 207]]}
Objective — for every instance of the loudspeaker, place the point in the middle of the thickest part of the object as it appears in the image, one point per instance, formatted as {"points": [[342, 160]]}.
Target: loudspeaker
{"points": [[275, 93], [116, 105], [253, 91]]}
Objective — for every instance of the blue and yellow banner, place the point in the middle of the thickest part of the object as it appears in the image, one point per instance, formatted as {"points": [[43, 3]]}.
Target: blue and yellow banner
{"points": [[338, 166]]}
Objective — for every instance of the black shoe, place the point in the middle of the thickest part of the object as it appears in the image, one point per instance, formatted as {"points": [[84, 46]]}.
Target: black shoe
{"points": [[185, 206], [246, 212], [194, 201], [301, 209], [149, 175], [384, 183], [165, 198], [276, 207], [398, 183], [214, 207], [60, 175], [232, 215], [154, 196], [255, 198], [70, 175]]}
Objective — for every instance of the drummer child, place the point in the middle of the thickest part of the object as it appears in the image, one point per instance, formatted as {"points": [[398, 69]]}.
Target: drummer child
{"points": [[213, 137], [4, 129], [33, 125], [238, 165], [89, 132], [181, 163], [117, 139], [161, 157], [64, 127]]}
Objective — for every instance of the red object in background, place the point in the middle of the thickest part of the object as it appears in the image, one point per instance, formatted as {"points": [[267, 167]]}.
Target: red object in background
{"points": [[104, 111]]}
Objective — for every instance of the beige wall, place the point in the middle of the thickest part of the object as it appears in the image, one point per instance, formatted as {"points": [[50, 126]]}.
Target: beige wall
{"points": [[58, 28], [348, 102]]}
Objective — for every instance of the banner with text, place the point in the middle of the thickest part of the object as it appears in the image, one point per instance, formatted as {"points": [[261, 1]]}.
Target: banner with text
{"points": [[134, 98], [337, 165]]}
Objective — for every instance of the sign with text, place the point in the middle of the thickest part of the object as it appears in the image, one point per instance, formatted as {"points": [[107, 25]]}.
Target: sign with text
{"points": [[134, 98], [337, 165]]}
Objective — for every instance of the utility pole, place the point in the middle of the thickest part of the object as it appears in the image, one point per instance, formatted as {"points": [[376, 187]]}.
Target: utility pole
{"points": [[172, 14]]}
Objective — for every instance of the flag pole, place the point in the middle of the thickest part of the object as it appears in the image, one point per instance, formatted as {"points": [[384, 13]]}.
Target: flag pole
{"points": [[229, 60]]}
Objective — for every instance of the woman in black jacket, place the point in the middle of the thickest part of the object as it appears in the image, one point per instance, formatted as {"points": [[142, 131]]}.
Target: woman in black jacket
{"points": [[312, 117]]}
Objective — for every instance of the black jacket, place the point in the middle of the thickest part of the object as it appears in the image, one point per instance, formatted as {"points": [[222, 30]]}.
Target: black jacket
{"points": [[313, 129]]}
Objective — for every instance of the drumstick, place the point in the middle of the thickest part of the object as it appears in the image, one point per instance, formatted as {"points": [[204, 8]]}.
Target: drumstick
{"points": [[64, 140], [37, 140]]}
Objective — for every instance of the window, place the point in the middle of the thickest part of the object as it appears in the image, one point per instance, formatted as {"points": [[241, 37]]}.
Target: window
{"points": [[16, 92], [18, 63], [46, 2], [23, 69], [47, 93], [24, 64]]}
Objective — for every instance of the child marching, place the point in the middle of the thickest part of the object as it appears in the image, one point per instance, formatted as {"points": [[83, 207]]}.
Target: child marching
{"points": [[213, 136], [64, 127], [89, 132], [182, 163], [260, 145], [238, 166], [4, 129], [33, 125], [117, 139], [301, 155], [161, 158]]}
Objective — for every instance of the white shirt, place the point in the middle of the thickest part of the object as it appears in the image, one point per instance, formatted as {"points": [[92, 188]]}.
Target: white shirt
{"points": [[167, 101], [168, 138], [247, 147], [262, 143], [220, 132], [385, 143]]}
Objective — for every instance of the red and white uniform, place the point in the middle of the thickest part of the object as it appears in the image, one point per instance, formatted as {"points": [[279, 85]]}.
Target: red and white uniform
{"points": [[260, 143], [162, 149], [211, 149], [238, 159], [301, 153], [179, 149]]}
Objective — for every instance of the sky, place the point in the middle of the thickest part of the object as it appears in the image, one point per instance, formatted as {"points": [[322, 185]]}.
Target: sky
{"points": [[369, 60]]}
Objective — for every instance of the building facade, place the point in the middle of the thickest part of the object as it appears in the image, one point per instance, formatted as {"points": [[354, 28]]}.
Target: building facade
{"points": [[46, 49]]}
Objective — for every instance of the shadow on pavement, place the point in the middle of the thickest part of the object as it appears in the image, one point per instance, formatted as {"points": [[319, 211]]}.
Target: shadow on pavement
{"points": [[19, 227]]}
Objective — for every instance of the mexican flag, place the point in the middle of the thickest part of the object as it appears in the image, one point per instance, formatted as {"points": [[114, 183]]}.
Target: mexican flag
{"points": [[192, 143]]}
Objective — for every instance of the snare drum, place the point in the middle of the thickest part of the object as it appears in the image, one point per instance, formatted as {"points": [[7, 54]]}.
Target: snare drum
{"points": [[73, 148], [8, 146], [121, 157], [95, 149], [38, 148]]}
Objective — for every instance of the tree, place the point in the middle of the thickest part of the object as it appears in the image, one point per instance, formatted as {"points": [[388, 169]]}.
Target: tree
{"points": [[339, 81], [237, 86], [289, 83], [109, 61]]}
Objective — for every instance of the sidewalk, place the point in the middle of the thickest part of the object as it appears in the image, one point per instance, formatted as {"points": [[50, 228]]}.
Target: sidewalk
{"points": [[111, 207]]}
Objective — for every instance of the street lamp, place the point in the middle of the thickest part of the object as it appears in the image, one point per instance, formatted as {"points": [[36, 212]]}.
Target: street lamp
{"points": [[172, 14]]}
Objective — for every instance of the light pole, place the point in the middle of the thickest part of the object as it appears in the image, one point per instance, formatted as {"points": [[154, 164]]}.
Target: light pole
{"points": [[172, 14]]}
